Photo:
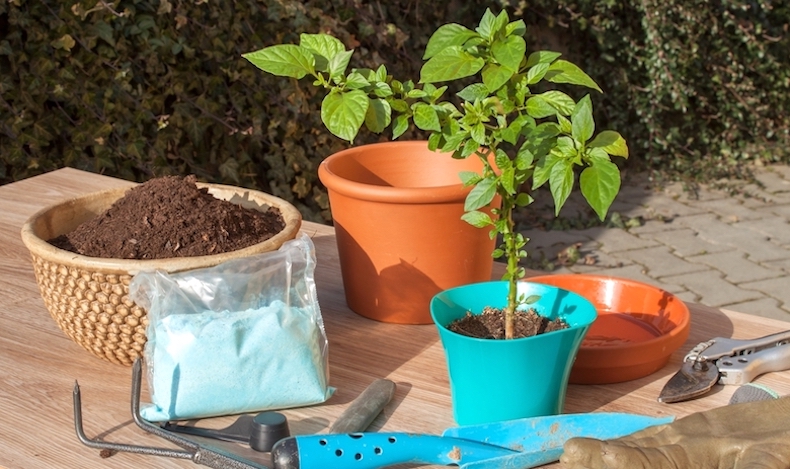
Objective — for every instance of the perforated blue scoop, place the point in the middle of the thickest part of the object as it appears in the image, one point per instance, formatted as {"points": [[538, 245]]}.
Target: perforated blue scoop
{"points": [[519, 443]]}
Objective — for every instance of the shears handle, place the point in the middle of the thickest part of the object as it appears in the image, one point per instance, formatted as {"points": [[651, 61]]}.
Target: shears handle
{"points": [[743, 369]]}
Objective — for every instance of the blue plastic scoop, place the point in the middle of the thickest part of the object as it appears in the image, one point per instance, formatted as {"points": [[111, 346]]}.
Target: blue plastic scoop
{"points": [[522, 443]]}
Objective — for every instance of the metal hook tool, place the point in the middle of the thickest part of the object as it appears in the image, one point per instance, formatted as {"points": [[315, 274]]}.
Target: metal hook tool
{"points": [[355, 418], [198, 453]]}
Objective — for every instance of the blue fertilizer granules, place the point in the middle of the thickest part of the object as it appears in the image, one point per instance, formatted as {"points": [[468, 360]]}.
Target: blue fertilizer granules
{"points": [[219, 363]]}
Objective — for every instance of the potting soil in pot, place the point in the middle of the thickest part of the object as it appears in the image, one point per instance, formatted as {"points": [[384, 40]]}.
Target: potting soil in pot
{"points": [[244, 336], [170, 217]]}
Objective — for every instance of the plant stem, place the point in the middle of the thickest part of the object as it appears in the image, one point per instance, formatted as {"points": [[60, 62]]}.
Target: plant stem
{"points": [[511, 249]]}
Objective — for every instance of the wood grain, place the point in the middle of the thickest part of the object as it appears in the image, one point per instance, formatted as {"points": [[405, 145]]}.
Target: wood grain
{"points": [[39, 364]]}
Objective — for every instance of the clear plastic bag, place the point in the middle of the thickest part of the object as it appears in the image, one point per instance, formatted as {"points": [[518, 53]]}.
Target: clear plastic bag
{"points": [[244, 336]]}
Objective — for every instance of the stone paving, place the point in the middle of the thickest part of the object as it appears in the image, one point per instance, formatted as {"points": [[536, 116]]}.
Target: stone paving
{"points": [[722, 247]]}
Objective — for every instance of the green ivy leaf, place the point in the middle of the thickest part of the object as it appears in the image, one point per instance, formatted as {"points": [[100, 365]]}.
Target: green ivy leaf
{"points": [[445, 36], [426, 118], [494, 76], [611, 142], [542, 57], [509, 52], [343, 113], [582, 121], [451, 63], [284, 60], [561, 183], [477, 219], [480, 195], [563, 71], [378, 115], [600, 184]]}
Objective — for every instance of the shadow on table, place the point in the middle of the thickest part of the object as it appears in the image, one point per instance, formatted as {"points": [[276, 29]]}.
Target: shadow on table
{"points": [[361, 349], [706, 323]]}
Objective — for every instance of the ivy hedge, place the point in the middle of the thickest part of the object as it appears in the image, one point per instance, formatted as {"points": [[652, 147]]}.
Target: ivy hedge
{"points": [[141, 88]]}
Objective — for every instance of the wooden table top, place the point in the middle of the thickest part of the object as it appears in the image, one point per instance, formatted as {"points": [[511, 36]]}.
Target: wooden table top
{"points": [[39, 364]]}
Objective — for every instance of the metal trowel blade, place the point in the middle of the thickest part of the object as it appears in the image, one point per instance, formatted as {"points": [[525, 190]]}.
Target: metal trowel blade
{"points": [[693, 380]]}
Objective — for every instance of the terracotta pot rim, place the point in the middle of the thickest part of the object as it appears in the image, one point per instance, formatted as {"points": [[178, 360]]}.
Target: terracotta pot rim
{"points": [[44, 249], [379, 193]]}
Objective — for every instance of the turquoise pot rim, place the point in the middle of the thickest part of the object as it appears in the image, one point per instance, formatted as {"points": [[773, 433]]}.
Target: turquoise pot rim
{"points": [[584, 320]]}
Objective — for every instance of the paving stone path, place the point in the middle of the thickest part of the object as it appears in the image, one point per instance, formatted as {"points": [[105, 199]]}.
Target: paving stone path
{"points": [[725, 247]]}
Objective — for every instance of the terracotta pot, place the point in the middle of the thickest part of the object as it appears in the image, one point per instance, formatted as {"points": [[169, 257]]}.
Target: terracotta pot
{"points": [[397, 210]]}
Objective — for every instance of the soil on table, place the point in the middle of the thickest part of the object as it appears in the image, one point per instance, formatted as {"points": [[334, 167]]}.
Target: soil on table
{"points": [[490, 324], [170, 217]]}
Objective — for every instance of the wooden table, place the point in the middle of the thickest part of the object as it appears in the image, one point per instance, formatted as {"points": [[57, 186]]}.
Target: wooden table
{"points": [[39, 364]]}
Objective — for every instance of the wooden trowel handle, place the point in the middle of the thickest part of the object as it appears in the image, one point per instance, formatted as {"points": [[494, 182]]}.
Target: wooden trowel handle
{"points": [[365, 408]]}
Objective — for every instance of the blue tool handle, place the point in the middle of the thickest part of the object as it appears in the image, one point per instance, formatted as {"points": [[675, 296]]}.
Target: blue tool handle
{"points": [[374, 450]]}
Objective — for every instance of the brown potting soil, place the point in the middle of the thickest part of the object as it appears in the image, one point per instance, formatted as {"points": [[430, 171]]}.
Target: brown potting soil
{"points": [[170, 217], [490, 324]]}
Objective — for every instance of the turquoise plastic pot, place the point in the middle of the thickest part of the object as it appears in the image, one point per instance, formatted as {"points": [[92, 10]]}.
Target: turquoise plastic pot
{"points": [[494, 380]]}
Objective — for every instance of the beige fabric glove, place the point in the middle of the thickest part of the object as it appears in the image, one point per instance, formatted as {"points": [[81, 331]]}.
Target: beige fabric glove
{"points": [[753, 435]]}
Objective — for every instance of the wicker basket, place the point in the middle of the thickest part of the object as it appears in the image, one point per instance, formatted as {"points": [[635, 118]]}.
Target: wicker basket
{"points": [[89, 297]]}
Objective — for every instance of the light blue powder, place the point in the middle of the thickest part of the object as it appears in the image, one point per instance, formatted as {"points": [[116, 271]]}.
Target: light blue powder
{"points": [[218, 363]]}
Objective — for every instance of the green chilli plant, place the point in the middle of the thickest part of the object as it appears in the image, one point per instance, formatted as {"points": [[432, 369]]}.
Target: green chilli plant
{"points": [[526, 132]]}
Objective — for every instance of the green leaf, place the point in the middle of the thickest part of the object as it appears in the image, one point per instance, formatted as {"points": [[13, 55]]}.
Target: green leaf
{"points": [[480, 195], [560, 101], [470, 146], [343, 113], [488, 25], [378, 115], [565, 125], [324, 46], [611, 142], [542, 57], [510, 52], [451, 63], [321, 44], [356, 80], [563, 71], [508, 180], [538, 108], [524, 158], [445, 36], [536, 73], [339, 62], [434, 141], [561, 183], [477, 219], [501, 159], [524, 199], [426, 118], [478, 133], [543, 170], [400, 125], [285, 60], [469, 177], [494, 76], [600, 184], [582, 120], [473, 92], [518, 28]]}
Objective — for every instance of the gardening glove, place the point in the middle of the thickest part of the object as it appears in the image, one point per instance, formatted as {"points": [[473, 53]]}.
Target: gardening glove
{"points": [[752, 435]]}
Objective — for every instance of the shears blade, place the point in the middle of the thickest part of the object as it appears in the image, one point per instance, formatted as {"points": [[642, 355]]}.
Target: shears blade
{"points": [[694, 379]]}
